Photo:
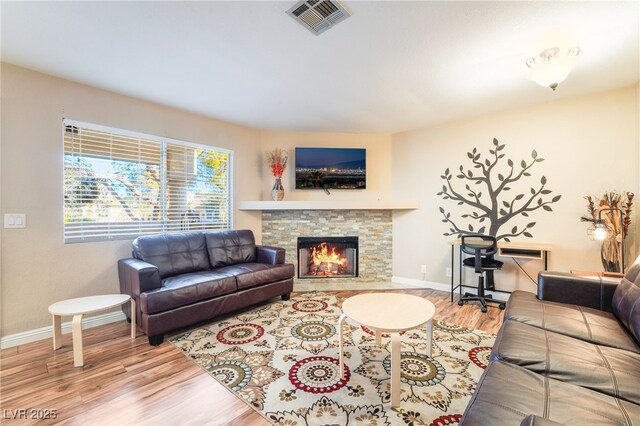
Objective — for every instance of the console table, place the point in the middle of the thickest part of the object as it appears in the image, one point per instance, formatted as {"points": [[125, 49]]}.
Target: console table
{"points": [[505, 249]]}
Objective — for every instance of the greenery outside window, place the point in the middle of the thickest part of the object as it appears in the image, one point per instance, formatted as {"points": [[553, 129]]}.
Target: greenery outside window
{"points": [[120, 184]]}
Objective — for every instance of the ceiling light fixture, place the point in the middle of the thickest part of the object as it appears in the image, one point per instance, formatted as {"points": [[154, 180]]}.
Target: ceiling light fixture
{"points": [[552, 66]]}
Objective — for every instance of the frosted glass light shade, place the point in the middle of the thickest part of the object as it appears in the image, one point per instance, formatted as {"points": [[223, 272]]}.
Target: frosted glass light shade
{"points": [[552, 66]]}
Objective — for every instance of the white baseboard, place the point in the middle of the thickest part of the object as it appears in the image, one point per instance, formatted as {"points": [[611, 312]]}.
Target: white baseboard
{"points": [[421, 283], [442, 287], [47, 332]]}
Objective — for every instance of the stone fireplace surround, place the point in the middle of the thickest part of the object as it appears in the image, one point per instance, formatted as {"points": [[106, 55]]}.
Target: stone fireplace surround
{"points": [[281, 228], [370, 220]]}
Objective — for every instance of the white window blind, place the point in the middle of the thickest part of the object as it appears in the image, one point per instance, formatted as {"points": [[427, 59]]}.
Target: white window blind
{"points": [[119, 184]]}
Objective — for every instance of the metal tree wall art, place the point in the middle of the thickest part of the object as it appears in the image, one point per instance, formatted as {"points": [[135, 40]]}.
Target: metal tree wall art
{"points": [[487, 192]]}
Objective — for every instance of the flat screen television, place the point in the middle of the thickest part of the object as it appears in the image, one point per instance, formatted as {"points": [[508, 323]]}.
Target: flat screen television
{"points": [[331, 168]]}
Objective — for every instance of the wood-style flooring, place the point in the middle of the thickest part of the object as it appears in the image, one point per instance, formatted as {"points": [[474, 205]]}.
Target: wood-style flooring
{"points": [[127, 381]]}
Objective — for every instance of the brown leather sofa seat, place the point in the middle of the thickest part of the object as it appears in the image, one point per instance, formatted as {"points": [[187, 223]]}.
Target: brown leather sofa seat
{"points": [[253, 274], [613, 371], [580, 322], [507, 394], [186, 289]]}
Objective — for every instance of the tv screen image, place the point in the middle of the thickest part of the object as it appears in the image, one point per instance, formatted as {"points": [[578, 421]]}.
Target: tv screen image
{"points": [[331, 168]]}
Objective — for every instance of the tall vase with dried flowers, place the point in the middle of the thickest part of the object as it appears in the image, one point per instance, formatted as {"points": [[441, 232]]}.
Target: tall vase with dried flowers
{"points": [[610, 208], [277, 160]]}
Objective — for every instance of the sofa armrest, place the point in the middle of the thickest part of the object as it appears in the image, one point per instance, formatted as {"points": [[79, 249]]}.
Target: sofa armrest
{"points": [[270, 255], [137, 276], [589, 291]]}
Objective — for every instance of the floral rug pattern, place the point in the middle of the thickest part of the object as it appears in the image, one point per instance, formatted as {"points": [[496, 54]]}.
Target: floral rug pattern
{"points": [[283, 360]]}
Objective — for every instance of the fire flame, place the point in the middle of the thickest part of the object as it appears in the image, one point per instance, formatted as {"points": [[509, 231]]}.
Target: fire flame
{"points": [[321, 255]]}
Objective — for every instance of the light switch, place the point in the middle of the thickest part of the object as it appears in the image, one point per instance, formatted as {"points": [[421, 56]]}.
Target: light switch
{"points": [[15, 220]]}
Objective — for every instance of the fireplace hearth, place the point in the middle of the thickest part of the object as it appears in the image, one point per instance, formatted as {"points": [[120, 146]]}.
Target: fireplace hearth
{"points": [[327, 257]]}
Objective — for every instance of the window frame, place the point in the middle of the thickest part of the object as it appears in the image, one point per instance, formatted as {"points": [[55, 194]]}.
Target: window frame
{"points": [[163, 141]]}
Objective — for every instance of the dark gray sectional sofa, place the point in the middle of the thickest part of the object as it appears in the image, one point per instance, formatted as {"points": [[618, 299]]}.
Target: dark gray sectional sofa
{"points": [[569, 356], [180, 279]]}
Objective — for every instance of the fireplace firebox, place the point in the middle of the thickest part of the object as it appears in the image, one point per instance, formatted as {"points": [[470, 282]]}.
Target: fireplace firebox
{"points": [[327, 257]]}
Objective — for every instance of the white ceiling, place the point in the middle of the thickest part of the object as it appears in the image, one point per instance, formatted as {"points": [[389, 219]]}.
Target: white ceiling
{"points": [[392, 66]]}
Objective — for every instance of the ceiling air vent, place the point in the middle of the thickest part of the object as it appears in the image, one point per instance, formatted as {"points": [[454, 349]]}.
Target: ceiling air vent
{"points": [[318, 15]]}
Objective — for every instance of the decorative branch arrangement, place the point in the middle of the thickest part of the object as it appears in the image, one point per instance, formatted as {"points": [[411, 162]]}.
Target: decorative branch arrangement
{"points": [[611, 204], [611, 200], [489, 197], [277, 160]]}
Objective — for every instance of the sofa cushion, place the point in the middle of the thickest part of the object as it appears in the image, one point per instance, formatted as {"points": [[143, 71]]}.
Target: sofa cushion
{"points": [[230, 247], [626, 300], [254, 274], [588, 324], [173, 254], [186, 289], [612, 371], [508, 393]]}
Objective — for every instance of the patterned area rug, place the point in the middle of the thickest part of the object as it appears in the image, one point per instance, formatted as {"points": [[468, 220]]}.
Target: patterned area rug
{"points": [[282, 359]]}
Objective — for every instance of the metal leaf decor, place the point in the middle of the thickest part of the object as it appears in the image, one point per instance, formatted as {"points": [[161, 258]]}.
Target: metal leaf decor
{"points": [[486, 193]]}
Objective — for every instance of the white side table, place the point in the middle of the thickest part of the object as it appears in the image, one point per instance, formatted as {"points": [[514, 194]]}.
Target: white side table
{"points": [[82, 306], [391, 313]]}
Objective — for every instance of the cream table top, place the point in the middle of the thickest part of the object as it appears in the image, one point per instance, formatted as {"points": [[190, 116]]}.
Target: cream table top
{"points": [[87, 305], [390, 312]]}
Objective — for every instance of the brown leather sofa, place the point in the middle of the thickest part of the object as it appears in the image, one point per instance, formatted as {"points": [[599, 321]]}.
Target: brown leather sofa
{"points": [[571, 355], [180, 279]]}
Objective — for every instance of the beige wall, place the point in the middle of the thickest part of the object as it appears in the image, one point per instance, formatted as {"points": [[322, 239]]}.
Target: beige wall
{"points": [[378, 148], [37, 267], [590, 144]]}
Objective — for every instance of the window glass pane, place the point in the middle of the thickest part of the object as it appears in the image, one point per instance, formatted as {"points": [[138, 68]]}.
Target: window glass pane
{"points": [[117, 186], [197, 188]]}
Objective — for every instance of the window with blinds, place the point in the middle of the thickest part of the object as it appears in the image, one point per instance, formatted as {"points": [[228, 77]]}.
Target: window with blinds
{"points": [[118, 184]]}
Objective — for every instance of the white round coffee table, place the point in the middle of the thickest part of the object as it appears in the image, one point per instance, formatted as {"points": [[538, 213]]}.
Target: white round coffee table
{"points": [[82, 306], [392, 313]]}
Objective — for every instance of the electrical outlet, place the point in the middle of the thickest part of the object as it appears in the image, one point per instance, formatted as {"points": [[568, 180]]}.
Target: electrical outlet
{"points": [[423, 269], [448, 272]]}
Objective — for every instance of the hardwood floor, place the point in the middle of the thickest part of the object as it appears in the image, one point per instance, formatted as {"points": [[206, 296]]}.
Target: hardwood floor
{"points": [[127, 381]]}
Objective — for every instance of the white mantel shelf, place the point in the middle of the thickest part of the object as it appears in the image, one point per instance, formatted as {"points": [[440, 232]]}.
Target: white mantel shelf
{"points": [[329, 205]]}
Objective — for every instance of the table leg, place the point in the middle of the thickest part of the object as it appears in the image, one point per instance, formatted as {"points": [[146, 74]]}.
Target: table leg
{"points": [[429, 336], [341, 335], [78, 360], [459, 271], [378, 337], [452, 271], [57, 331], [133, 318], [395, 369]]}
